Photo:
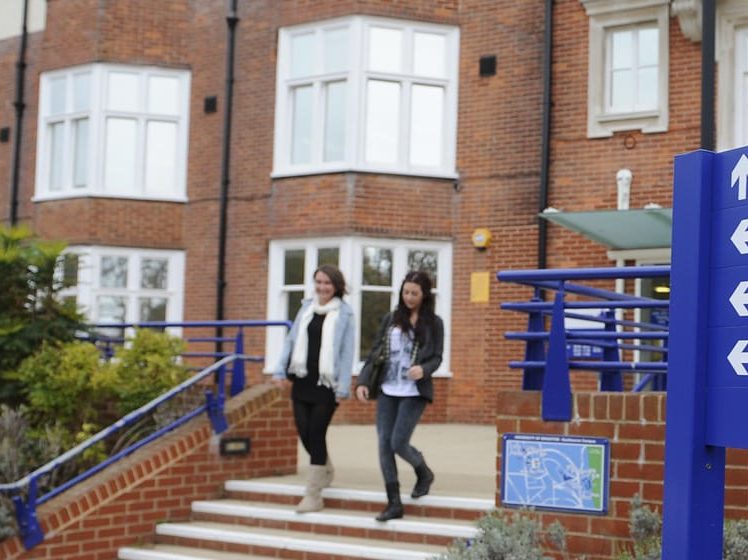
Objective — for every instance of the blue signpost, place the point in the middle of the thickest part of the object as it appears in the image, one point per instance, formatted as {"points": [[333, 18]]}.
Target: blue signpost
{"points": [[707, 397]]}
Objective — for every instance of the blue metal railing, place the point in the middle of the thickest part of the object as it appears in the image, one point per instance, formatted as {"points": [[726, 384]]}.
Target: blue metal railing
{"points": [[547, 361], [28, 525]]}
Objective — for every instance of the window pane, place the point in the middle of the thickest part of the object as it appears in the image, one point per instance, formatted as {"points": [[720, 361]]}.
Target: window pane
{"points": [[377, 270], [622, 90], [113, 272], [70, 269], [429, 54], [152, 309], [160, 157], [81, 92], [622, 47], [57, 96], [647, 84], [154, 273], [335, 122], [385, 48], [382, 119], [425, 261], [426, 117], [374, 306], [123, 92], [293, 303], [80, 158], [163, 95], [328, 256], [293, 271], [301, 151], [302, 55], [119, 165], [56, 155], [648, 47], [111, 309], [336, 50]]}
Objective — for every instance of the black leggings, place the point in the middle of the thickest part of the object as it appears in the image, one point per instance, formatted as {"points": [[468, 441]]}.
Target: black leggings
{"points": [[312, 420]]}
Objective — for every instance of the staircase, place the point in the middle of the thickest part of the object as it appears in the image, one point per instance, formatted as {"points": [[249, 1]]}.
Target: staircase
{"points": [[257, 520]]}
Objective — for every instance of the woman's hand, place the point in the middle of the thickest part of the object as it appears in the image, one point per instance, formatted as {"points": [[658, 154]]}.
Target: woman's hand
{"points": [[415, 373], [362, 393]]}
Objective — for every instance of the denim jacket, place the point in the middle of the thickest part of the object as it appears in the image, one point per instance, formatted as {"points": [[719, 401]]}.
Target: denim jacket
{"points": [[342, 345]]}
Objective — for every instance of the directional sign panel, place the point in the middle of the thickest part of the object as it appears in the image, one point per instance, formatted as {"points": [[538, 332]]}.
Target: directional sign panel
{"points": [[727, 323]]}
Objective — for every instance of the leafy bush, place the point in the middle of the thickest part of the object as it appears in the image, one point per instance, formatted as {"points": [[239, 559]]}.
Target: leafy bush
{"points": [[507, 537], [31, 311]]}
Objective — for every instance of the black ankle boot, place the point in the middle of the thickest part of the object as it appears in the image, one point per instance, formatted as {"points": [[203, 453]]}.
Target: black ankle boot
{"points": [[394, 509], [423, 482]]}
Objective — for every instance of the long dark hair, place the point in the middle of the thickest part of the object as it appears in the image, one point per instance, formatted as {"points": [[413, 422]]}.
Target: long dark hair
{"points": [[335, 276], [426, 315]]}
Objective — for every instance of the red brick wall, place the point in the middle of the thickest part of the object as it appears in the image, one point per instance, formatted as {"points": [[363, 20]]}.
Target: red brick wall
{"points": [[635, 425], [120, 505]]}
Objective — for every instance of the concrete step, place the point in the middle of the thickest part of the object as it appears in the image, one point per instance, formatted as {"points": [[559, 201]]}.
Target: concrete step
{"points": [[288, 544], [169, 552], [447, 507], [343, 522]]}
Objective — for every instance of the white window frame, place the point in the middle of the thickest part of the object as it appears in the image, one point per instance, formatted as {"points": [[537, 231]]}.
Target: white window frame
{"points": [[88, 287], [97, 115], [605, 15], [350, 259], [356, 78], [732, 99]]}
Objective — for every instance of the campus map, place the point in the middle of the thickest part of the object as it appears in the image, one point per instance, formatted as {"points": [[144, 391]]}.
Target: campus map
{"points": [[555, 472]]}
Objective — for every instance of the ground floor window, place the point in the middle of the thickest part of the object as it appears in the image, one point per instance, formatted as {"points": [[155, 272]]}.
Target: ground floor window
{"points": [[373, 269], [117, 284]]}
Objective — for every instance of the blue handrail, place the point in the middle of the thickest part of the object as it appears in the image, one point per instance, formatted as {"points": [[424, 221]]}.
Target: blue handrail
{"points": [[547, 363], [29, 528]]}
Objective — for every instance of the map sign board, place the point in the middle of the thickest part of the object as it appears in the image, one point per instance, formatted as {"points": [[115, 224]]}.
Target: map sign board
{"points": [[555, 472]]}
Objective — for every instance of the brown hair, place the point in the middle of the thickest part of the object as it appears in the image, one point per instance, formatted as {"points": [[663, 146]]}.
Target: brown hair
{"points": [[335, 276]]}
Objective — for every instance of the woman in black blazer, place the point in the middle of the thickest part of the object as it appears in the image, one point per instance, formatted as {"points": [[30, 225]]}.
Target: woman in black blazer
{"points": [[411, 339]]}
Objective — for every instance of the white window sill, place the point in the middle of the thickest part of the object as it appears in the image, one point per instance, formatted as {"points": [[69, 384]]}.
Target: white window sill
{"points": [[286, 173], [69, 195], [649, 122]]}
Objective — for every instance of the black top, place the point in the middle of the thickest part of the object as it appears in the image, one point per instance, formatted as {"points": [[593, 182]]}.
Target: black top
{"points": [[306, 388]]}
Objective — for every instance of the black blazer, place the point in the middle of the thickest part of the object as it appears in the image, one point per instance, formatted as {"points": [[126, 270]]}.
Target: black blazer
{"points": [[429, 355]]}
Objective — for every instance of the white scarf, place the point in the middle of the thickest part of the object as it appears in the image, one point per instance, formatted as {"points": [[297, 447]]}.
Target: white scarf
{"points": [[327, 351]]}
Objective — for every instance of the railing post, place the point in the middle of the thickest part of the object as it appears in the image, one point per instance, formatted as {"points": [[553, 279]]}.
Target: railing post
{"points": [[532, 378], [238, 377], [557, 403], [28, 525], [610, 380], [214, 403]]}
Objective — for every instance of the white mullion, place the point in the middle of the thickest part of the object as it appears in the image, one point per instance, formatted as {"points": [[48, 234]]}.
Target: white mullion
{"points": [[142, 119], [406, 98]]}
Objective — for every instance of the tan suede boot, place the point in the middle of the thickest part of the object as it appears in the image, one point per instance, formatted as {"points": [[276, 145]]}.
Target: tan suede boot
{"points": [[312, 501], [329, 473]]}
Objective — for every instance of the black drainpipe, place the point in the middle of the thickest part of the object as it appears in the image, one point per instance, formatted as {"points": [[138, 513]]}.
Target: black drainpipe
{"points": [[546, 134], [231, 21], [20, 107], [707, 75]]}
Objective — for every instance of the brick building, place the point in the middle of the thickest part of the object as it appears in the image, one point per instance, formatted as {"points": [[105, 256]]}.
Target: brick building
{"points": [[375, 134]]}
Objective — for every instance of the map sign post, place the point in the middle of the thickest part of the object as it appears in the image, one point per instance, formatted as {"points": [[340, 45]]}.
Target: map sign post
{"points": [[707, 397]]}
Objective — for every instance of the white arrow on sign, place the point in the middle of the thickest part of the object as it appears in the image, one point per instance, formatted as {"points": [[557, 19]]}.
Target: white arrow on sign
{"points": [[739, 237], [738, 357], [740, 176], [739, 299]]}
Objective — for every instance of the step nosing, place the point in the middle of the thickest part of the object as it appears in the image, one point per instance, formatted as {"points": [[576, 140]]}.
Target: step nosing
{"points": [[356, 495], [275, 541], [406, 526]]}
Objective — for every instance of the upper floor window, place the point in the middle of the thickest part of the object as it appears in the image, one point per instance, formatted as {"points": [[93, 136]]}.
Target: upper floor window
{"points": [[111, 130], [373, 269], [367, 94], [628, 66], [732, 57], [11, 17]]}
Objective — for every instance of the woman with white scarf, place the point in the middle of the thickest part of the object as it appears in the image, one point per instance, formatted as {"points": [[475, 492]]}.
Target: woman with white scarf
{"points": [[317, 358]]}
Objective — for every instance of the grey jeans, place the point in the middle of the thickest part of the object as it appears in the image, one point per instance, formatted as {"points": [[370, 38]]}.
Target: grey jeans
{"points": [[397, 418]]}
